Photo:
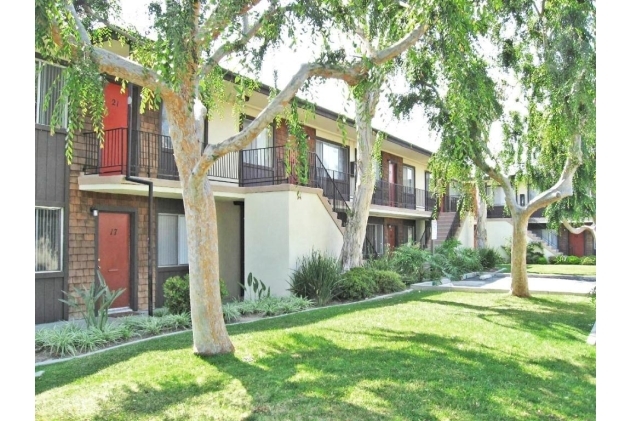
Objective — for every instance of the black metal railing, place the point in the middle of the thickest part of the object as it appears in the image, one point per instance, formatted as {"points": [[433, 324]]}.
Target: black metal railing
{"points": [[150, 155], [423, 242], [400, 196], [549, 237], [502, 211], [497, 211], [281, 165], [450, 204]]}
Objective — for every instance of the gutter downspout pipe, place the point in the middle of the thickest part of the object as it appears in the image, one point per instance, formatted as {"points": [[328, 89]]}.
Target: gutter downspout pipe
{"points": [[148, 183]]}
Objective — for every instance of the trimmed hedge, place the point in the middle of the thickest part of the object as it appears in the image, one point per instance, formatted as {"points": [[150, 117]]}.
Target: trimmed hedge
{"points": [[573, 260], [388, 281], [357, 284], [177, 295]]}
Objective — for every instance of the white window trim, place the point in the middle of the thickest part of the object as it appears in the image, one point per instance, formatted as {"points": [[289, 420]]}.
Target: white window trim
{"points": [[39, 95], [61, 239]]}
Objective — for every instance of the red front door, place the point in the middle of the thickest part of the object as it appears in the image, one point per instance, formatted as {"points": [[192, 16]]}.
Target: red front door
{"points": [[392, 236], [114, 253], [114, 152], [577, 244], [392, 181]]}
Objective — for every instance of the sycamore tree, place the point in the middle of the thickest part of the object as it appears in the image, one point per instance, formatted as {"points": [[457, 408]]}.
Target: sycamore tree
{"points": [[533, 72], [381, 34], [178, 64]]}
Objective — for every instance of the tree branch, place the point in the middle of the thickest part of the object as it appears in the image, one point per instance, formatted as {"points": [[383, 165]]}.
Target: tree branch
{"points": [[245, 137], [116, 65], [83, 33], [400, 46], [501, 179], [229, 47], [88, 10], [220, 19], [573, 230], [563, 187]]}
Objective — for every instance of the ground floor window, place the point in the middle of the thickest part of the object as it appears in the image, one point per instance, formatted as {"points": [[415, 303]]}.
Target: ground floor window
{"points": [[374, 235], [48, 239], [410, 234], [172, 246]]}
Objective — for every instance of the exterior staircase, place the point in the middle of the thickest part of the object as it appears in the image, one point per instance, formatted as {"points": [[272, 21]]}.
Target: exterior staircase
{"points": [[534, 237], [448, 226]]}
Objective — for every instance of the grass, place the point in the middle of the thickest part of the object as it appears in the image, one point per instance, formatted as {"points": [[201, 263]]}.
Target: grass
{"points": [[418, 356], [579, 270]]}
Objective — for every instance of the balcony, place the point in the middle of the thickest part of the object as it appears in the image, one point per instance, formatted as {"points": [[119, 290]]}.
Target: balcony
{"points": [[150, 155], [501, 211], [400, 196]]}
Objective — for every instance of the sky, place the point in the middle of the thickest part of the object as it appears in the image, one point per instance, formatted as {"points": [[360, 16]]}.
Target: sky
{"points": [[331, 94]]}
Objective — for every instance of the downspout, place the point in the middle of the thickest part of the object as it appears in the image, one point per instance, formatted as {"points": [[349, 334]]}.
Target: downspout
{"points": [[128, 177]]}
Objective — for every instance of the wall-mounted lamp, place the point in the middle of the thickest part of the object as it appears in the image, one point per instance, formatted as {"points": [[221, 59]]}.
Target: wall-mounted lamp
{"points": [[95, 212], [389, 226]]}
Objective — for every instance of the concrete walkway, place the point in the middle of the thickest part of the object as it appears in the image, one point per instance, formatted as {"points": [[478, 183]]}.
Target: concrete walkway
{"points": [[502, 282]]}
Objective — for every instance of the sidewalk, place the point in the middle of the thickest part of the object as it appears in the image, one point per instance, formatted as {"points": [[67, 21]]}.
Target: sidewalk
{"points": [[501, 283]]}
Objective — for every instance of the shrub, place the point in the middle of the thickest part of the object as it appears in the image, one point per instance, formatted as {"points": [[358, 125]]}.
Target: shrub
{"points": [[552, 259], [385, 262], [357, 284], [542, 261], [230, 312], [489, 257], [573, 260], [588, 260], [317, 278], [93, 303], [534, 250], [177, 294], [387, 281], [409, 262]]}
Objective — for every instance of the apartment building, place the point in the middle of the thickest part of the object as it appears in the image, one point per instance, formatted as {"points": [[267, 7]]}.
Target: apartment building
{"points": [[97, 213]]}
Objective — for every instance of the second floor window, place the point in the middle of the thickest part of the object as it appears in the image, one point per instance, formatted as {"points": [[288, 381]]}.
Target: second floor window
{"points": [[257, 152], [48, 89], [408, 176], [334, 158]]}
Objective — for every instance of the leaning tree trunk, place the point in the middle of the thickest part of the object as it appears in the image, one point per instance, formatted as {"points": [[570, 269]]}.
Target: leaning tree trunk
{"points": [[519, 284], [210, 335], [355, 232]]}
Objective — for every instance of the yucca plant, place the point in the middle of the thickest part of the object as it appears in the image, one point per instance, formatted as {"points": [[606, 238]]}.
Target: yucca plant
{"points": [[317, 278], [93, 303]]}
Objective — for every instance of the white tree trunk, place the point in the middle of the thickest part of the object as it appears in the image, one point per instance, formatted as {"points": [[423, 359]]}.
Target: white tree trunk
{"points": [[480, 234], [355, 232], [210, 335], [519, 276]]}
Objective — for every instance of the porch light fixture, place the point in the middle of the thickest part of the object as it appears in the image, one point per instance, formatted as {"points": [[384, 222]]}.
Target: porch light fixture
{"points": [[95, 212]]}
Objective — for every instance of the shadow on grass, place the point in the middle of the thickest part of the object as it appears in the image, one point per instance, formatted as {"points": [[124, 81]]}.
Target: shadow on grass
{"points": [[571, 321], [88, 365], [395, 375], [400, 376]]}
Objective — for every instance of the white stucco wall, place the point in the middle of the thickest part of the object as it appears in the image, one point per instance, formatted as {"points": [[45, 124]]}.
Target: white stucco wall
{"points": [[222, 124], [499, 231], [466, 236], [280, 228], [229, 233]]}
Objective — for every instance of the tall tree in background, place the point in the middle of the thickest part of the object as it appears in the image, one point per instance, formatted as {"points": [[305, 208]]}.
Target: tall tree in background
{"points": [[536, 76]]}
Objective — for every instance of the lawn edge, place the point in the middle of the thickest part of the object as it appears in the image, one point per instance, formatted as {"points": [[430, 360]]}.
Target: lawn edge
{"points": [[98, 351]]}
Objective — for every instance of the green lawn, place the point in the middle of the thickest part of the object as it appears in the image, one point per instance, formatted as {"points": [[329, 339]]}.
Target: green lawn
{"points": [[582, 270], [419, 356]]}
